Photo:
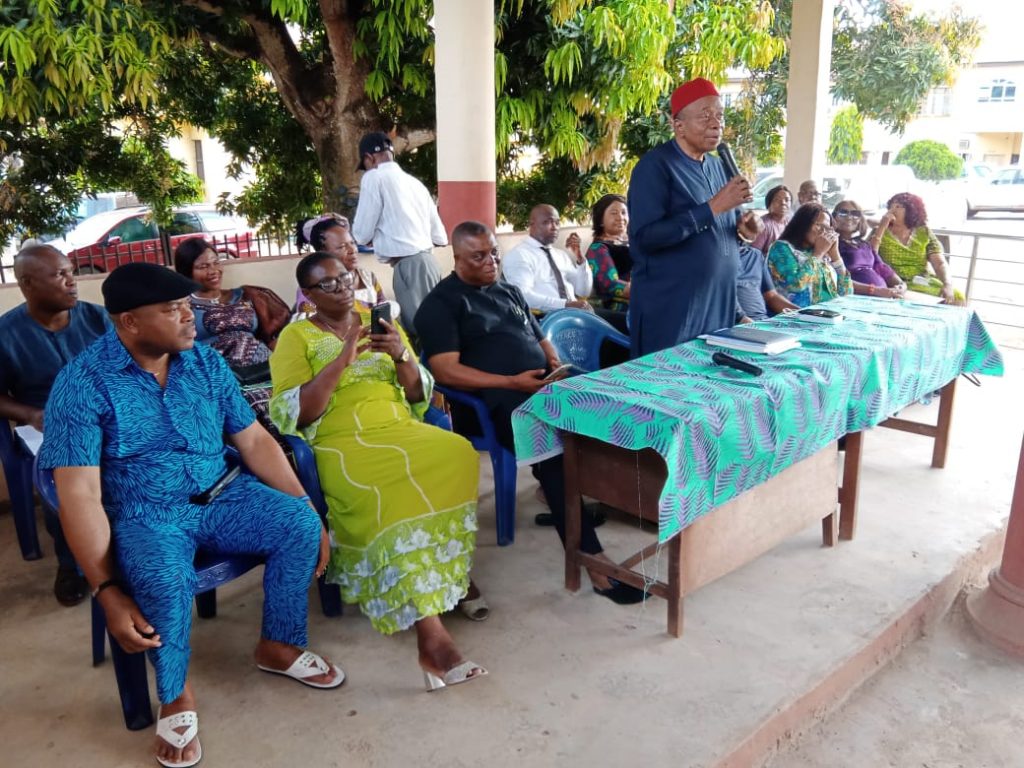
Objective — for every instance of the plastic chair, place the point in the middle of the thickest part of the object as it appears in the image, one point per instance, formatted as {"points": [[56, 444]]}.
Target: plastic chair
{"points": [[18, 473], [577, 336], [503, 461], [212, 570]]}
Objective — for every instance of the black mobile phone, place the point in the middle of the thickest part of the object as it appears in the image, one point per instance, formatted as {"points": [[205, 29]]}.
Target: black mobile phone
{"points": [[817, 312], [377, 313]]}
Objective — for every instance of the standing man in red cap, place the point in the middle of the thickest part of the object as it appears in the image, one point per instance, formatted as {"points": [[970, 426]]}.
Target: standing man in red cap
{"points": [[683, 220]]}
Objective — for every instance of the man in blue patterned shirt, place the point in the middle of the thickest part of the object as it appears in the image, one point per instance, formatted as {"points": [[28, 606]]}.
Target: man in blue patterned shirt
{"points": [[135, 431]]}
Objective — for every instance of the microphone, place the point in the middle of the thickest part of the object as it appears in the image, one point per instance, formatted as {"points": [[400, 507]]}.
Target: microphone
{"points": [[725, 155]]}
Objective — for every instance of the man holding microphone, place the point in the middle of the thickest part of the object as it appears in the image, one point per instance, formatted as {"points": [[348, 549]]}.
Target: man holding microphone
{"points": [[683, 221]]}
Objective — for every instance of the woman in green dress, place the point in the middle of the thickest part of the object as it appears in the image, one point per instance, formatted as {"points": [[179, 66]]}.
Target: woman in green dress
{"points": [[904, 242], [401, 495]]}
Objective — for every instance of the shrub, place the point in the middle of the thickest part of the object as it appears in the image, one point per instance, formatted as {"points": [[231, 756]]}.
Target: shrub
{"points": [[930, 160]]}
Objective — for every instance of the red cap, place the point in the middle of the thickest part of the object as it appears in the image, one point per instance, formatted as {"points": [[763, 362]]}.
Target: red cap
{"points": [[690, 91]]}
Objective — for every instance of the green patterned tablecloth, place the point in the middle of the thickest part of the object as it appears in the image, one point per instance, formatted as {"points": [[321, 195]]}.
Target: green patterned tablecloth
{"points": [[722, 431]]}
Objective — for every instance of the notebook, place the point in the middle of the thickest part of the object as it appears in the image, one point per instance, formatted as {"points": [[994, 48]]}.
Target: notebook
{"points": [[748, 339]]}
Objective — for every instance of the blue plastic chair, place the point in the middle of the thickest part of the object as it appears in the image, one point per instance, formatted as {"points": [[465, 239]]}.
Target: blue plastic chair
{"points": [[503, 461], [212, 570], [18, 473], [577, 336]]}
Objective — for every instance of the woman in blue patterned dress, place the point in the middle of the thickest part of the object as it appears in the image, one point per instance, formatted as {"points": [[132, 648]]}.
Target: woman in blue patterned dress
{"points": [[805, 261]]}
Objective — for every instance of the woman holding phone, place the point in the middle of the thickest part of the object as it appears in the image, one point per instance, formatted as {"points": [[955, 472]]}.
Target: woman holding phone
{"points": [[401, 495], [805, 262]]}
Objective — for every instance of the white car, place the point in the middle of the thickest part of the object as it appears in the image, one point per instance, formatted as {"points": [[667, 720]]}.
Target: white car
{"points": [[1004, 191]]}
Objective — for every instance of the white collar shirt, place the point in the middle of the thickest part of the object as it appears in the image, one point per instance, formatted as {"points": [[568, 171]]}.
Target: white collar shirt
{"points": [[396, 213], [527, 267]]}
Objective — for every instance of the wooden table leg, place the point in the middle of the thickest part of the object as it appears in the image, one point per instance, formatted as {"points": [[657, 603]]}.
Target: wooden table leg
{"points": [[830, 530], [851, 481], [675, 585], [573, 514], [941, 446]]}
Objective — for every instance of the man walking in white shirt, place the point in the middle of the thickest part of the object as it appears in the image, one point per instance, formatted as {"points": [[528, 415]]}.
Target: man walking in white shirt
{"points": [[396, 213], [549, 277]]}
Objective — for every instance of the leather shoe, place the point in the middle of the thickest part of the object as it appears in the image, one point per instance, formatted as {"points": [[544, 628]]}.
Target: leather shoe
{"points": [[623, 594], [69, 587], [596, 515]]}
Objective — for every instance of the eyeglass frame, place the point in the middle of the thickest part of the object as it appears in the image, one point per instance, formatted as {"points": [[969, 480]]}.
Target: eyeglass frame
{"points": [[704, 118], [848, 213], [345, 280]]}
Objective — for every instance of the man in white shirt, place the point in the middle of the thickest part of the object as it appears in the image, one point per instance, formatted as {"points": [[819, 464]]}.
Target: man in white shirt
{"points": [[396, 213], [549, 277]]}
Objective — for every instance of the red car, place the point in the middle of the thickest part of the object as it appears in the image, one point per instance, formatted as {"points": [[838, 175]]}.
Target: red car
{"points": [[104, 241]]}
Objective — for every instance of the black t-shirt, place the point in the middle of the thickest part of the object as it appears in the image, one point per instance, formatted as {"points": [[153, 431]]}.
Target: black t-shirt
{"points": [[489, 326]]}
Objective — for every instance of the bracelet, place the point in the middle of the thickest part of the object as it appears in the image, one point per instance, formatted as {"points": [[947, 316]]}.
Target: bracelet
{"points": [[745, 240], [104, 585]]}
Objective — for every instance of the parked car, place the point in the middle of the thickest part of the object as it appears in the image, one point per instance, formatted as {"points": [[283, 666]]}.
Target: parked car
{"points": [[102, 242], [1004, 191], [870, 185]]}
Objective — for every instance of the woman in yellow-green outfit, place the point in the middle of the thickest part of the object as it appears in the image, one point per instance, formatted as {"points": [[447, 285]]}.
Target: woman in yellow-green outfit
{"points": [[401, 495], [904, 242]]}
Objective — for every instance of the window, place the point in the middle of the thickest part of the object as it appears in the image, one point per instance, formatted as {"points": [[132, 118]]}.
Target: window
{"points": [[998, 90], [727, 100], [939, 102], [185, 224], [197, 147], [135, 229]]}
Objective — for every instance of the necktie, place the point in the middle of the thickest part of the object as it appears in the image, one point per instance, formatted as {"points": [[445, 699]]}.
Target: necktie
{"points": [[558, 274]]}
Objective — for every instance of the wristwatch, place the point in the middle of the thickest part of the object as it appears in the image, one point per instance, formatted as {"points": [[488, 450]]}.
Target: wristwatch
{"points": [[404, 357]]}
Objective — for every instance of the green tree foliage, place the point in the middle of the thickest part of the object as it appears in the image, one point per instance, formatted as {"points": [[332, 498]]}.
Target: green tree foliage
{"points": [[930, 160], [885, 58], [847, 136]]}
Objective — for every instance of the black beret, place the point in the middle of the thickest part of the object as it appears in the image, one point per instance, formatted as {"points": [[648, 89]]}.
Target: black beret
{"points": [[137, 284]]}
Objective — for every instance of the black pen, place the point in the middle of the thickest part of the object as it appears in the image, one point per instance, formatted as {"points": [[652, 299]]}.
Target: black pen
{"points": [[721, 358]]}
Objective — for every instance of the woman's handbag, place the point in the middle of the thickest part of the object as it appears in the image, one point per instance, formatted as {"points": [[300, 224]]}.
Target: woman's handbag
{"points": [[249, 375]]}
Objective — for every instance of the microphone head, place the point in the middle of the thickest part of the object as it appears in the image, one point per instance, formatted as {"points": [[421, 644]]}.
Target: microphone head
{"points": [[725, 155]]}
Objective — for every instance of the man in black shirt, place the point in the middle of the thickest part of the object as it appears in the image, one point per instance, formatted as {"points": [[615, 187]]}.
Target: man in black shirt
{"points": [[478, 334]]}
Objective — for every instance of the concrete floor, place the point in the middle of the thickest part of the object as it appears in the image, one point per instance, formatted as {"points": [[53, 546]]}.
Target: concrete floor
{"points": [[767, 652]]}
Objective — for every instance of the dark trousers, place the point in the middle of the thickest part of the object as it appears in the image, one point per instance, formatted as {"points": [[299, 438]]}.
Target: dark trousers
{"points": [[550, 473]]}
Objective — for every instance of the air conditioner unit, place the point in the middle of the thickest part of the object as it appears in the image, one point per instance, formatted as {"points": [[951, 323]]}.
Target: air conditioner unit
{"points": [[965, 144]]}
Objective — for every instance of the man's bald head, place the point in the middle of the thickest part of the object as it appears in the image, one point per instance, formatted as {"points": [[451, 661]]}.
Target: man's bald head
{"points": [[33, 256], [544, 223], [46, 279]]}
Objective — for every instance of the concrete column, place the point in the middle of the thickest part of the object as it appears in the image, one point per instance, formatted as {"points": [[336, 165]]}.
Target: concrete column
{"points": [[997, 612], [807, 100], [464, 75]]}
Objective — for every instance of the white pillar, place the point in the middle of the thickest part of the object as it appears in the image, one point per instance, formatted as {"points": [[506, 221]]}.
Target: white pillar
{"points": [[810, 56], [464, 75]]}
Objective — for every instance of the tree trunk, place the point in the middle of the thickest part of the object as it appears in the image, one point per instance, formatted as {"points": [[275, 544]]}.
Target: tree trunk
{"points": [[337, 149]]}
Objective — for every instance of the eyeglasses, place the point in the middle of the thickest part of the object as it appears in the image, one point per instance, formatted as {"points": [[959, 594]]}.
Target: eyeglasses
{"points": [[706, 116], [333, 284], [849, 213]]}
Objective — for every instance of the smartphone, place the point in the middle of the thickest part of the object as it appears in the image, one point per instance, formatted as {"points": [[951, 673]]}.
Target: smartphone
{"points": [[377, 313], [561, 372]]}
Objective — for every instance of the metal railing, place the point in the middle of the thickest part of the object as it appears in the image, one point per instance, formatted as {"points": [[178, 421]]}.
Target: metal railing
{"points": [[99, 259], [990, 269]]}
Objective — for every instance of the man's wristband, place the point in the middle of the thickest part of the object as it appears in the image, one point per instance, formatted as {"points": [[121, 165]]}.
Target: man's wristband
{"points": [[104, 585]]}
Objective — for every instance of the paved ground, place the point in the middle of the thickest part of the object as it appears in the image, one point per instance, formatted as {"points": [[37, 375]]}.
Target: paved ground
{"points": [[574, 679], [949, 701]]}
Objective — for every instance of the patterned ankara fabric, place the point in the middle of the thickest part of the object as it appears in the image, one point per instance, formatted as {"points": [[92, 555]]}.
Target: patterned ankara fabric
{"points": [[155, 447], [911, 260], [722, 432], [609, 286], [804, 279], [401, 495]]}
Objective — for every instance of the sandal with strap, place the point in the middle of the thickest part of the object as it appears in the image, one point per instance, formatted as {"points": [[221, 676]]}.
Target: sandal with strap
{"points": [[308, 665], [165, 729], [460, 673], [476, 609]]}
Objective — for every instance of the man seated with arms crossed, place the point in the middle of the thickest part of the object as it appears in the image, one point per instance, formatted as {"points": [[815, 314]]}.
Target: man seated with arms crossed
{"points": [[37, 339], [755, 289], [134, 435], [548, 277], [478, 334]]}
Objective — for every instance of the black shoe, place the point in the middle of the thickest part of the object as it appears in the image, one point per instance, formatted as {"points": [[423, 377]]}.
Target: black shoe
{"points": [[69, 587], [623, 594], [596, 515]]}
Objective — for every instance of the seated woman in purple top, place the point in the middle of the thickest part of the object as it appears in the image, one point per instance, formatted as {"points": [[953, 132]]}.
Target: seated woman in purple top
{"points": [[871, 276], [779, 200]]}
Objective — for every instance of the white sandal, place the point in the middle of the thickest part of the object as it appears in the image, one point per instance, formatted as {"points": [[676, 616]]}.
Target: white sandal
{"points": [[165, 730], [476, 609], [308, 665], [454, 676]]}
